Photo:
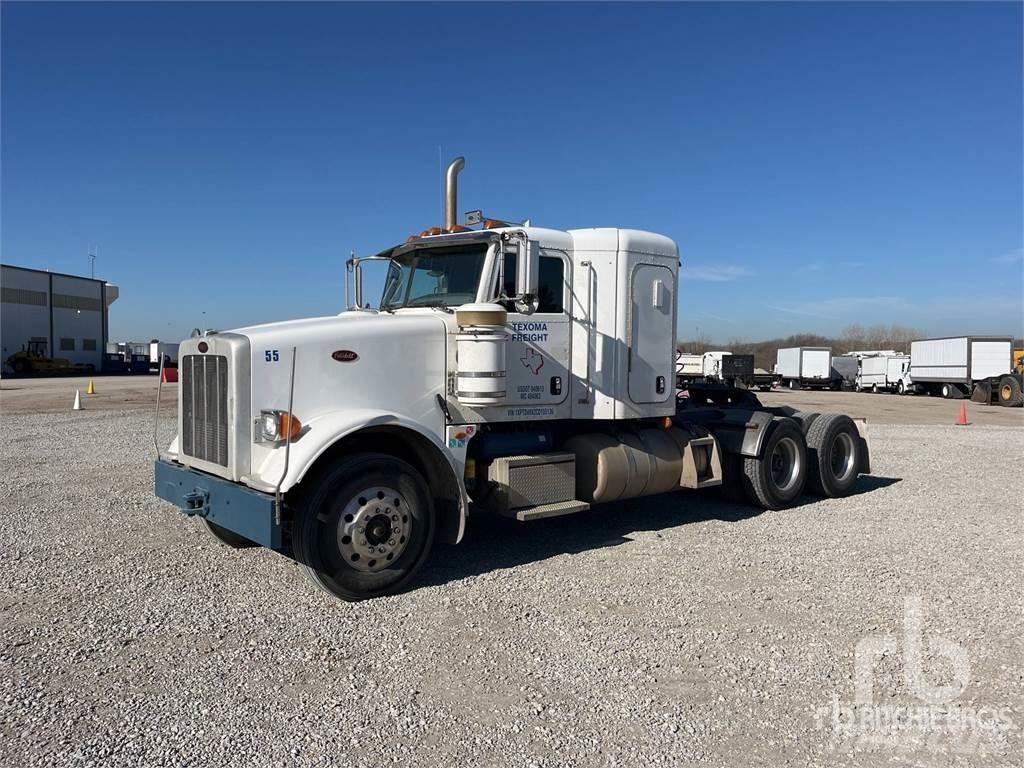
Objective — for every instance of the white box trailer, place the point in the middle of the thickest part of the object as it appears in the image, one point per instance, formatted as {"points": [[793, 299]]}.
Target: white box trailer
{"points": [[977, 366], [884, 373], [799, 367]]}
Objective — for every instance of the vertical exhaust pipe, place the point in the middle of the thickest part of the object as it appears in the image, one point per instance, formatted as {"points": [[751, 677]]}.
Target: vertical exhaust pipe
{"points": [[451, 192]]}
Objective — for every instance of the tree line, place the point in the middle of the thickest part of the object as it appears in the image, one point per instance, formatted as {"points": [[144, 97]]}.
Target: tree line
{"points": [[852, 337]]}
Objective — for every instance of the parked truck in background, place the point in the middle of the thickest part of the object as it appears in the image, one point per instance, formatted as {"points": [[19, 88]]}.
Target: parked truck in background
{"points": [[509, 370], [979, 367], [163, 352], [884, 373], [811, 367], [844, 370], [714, 367]]}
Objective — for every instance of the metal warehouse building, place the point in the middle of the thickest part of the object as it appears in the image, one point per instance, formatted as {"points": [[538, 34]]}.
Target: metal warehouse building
{"points": [[66, 314]]}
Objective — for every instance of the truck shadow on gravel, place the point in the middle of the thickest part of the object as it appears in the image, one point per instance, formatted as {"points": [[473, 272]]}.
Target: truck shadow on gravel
{"points": [[494, 543]]}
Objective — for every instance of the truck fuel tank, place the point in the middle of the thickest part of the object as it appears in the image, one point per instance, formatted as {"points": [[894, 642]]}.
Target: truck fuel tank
{"points": [[480, 354], [643, 463]]}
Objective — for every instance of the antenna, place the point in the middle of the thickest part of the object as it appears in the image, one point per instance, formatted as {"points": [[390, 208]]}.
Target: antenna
{"points": [[92, 263]]}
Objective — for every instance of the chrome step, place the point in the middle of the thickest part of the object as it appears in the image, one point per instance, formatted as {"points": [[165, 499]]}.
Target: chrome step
{"points": [[525, 514]]}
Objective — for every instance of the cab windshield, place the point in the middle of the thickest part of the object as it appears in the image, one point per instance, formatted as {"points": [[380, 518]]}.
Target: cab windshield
{"points": [[434, 277]]}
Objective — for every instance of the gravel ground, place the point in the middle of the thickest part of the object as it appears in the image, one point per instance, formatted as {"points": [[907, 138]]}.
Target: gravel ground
{"points": [[669, 631]]}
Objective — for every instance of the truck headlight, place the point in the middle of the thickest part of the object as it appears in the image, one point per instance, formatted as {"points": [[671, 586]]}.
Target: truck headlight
{"points": [[275, 426]]}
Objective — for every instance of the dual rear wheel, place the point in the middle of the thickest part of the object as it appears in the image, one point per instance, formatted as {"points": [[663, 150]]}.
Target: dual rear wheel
{"points": [[825, 462]]}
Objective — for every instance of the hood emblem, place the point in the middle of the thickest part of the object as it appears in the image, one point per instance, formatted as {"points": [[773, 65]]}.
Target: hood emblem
{"points": [[345, 356]]}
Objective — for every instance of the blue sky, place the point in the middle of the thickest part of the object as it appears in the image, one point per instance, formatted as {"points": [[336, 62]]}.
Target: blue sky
{"points": [[818, 164]]}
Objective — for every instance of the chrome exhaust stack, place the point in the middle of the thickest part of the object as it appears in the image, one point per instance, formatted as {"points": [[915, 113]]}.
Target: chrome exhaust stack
{"points": [[451, 192]]}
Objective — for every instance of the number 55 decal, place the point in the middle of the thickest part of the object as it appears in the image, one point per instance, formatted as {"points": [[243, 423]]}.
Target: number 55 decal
{"points": [[272, 355]]}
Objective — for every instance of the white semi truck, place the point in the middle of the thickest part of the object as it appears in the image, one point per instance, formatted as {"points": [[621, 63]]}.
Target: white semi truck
{"points": [[508, 370]]}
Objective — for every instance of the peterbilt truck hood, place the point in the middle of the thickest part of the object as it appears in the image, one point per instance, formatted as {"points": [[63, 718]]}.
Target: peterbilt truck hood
{"points": [[390, 363]]}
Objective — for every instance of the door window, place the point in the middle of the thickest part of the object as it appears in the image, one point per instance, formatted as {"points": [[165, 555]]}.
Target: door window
{"points": [[550, 284]]}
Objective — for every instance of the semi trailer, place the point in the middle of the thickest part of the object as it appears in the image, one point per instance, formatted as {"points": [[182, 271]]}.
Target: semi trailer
{"points": [[798, 367], [979, 367], [507, 370]]}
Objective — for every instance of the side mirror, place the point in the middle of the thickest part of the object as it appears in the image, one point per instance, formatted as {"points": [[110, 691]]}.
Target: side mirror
{"points": [[527, 276]]}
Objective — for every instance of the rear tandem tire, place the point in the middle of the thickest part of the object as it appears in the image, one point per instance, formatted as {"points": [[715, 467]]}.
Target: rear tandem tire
{"points": [[833, 455], [1010, 394], [364, 493], [776, 479]]}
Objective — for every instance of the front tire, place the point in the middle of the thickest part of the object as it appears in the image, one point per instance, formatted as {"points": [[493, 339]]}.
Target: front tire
{"points": [[794, 385], [833, 455], [900, 389], [365, 527], [776, 479], [228, 538]]}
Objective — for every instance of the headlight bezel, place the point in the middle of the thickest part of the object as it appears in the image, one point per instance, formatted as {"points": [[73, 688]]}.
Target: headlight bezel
{"points": [[273, 425]]}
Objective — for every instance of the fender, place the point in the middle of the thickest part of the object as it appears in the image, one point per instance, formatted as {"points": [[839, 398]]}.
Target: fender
{"points": [[323, 432]]}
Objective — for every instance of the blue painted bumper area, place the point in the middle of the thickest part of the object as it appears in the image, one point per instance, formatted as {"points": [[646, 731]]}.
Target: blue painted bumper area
{"points": [[242, 510]]}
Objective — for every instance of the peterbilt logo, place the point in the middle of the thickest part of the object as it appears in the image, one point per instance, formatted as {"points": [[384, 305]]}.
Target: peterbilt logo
{"points": [[345, 356]]}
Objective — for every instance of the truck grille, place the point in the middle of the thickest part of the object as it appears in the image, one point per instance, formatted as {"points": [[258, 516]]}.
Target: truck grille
{"points": [[204, 407]]}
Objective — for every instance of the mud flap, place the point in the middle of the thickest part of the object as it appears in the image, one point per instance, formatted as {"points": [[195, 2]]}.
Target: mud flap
{"points": [[982, 393], [865, 451]]}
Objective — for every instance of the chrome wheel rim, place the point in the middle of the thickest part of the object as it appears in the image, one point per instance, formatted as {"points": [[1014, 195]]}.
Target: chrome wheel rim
{"points": [[841, 456], [374, 529], [785, 464]]}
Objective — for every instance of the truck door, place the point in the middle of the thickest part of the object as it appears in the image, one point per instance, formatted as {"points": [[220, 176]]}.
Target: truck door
{"points": [[651, 320], [537, 359]]}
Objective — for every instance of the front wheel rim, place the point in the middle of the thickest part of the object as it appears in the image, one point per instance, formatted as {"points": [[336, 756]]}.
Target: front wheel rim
{"points": [[784, 464], [374, 529], [842, 457]]}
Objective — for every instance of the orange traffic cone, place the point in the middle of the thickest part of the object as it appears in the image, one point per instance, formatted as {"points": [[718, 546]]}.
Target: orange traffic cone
{"points": [[90, 390], [962, 421]]}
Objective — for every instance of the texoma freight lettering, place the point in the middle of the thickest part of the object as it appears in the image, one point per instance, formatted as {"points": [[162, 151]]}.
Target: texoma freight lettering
{"points": [[529, 332]]}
